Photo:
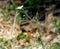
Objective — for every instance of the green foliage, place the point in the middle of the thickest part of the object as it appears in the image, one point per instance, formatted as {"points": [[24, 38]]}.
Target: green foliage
{"points": [[13, 7], [56, 46], [55, 20], [1, 10], [14, 40], [18, 18], [8, 6], [1, 47], [6, 43], [23, 15], [59, 29], [5, 15], [57, 24], [21, 35], [1, 40]]}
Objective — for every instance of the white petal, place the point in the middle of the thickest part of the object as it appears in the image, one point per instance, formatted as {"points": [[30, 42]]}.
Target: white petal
{"points": [[20, 7]]}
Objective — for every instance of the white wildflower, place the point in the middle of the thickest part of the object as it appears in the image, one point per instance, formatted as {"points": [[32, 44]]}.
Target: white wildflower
{"points": [[20, 7]]}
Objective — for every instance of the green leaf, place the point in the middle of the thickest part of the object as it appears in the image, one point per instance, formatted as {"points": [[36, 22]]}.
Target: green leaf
{"points": [[5, 15], [59, 29], [13, 6], [14, 40], [18, 18], [6, 43], [8, 6], [1, 40], [21, 35], [1, 47], [56, 46]]}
